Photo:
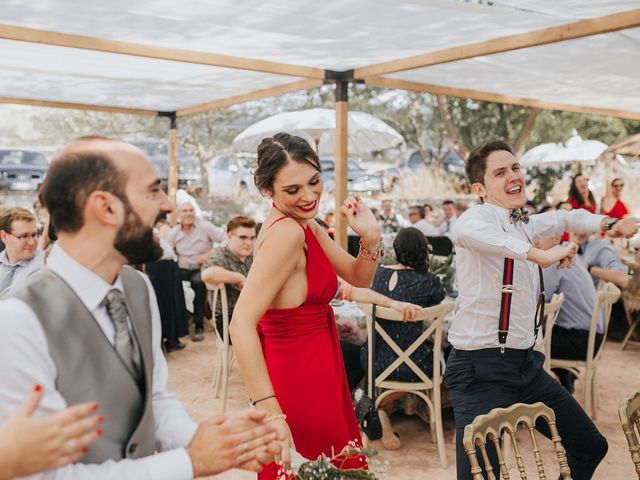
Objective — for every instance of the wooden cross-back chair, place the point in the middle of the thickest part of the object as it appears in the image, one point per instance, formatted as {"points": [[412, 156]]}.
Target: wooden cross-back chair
{"points": [[551, 311], [629, 413], [586, 370], [224, 351], [428, 389], [506, 420]]}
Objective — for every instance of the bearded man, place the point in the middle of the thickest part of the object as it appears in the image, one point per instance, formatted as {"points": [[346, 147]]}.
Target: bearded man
{"points": [[87, 328]]}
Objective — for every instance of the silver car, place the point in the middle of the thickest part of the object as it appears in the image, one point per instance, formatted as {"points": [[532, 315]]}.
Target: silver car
{"points": [[22, 169]]}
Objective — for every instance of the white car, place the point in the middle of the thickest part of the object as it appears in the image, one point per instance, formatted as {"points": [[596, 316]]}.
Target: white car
{"points": [[228, 175]]}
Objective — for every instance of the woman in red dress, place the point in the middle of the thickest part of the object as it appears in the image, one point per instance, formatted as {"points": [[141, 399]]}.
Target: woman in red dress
{"points": [[579, 194], [283, 329], [612, 204]]}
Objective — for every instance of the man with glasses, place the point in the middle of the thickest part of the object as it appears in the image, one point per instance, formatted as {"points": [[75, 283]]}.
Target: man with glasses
{"points": [[21, 257], [230, 264]]}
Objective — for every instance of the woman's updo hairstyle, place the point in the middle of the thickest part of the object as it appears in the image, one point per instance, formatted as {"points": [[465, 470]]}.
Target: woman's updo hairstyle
{"points": [[275, 152], [412, 249]]}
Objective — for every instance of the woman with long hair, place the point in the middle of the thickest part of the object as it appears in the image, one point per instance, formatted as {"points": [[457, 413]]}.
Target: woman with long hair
{"points": [[283, 329], [579, 194]]}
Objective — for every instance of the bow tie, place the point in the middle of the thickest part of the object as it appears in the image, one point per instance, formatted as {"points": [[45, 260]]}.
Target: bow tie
{"points": [[521, 215]]}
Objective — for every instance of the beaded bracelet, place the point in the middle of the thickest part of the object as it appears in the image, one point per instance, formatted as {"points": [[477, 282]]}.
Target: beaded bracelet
{"points": [[277, 416], [369, 254]]}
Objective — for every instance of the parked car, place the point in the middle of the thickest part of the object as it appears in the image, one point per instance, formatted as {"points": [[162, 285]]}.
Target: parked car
{"points": [[452, 164], [358, 178], [189, 177], [22, 169], [230, 175]]}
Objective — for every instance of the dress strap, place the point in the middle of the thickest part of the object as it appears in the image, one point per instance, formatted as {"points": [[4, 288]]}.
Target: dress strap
{"points": [[276, 221]]}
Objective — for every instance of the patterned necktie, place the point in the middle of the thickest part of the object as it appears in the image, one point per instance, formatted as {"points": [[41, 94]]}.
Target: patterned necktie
{"points": [[8, 277], [519, 215], [125, 343]]}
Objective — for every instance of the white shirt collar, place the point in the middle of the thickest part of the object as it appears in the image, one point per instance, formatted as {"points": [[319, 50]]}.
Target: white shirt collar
{"points": [[501, 212], [90, 287], [4, 259]]}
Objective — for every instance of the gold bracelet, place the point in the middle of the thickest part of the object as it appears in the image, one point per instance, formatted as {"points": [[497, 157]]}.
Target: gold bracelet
{"points": [[277, 416]]}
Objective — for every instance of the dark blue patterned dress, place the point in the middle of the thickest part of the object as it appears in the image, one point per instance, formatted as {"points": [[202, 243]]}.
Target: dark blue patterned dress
{"points": [[420, 288]]}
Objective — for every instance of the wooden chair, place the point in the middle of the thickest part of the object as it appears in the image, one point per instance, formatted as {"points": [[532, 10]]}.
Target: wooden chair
{"points": [[427, 388], [631, 309], [506, 420], [629, 413], [586, 370], [223, 349], [551, 311]]}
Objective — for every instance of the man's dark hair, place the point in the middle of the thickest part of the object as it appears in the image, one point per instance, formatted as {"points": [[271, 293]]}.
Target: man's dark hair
{"points": [[412, 249], [449, 202], [72, 177], [477, 162], [419, 209], [240, 221]]}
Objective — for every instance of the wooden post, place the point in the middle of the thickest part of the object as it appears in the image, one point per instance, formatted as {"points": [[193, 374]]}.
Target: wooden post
{"points": [[341, 154], [172, 176]]}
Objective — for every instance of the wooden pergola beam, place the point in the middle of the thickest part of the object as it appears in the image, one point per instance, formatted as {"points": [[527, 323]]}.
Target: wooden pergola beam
{"points": [[76, 106], [251, 96], [495, 97], [560, 33], [22, 34]]}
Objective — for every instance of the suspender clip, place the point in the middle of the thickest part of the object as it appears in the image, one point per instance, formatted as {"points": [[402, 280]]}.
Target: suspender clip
{"points": [[502, 348]]}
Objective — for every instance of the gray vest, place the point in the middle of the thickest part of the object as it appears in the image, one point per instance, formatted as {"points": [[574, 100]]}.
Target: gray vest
{"points": [[89, 369]]}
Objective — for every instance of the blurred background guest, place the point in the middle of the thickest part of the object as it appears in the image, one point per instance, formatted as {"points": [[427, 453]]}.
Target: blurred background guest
{"points": [[579, 194], [612, 204]]}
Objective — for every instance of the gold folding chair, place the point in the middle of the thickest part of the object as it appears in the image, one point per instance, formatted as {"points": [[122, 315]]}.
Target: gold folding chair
{"points": [[499, 420], [223, 349], [434, 318], [586, 370], [551, 311], [629, 413]]}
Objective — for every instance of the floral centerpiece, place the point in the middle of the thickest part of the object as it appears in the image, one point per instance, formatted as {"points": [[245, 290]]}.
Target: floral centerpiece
{"points": [[331, 468]]}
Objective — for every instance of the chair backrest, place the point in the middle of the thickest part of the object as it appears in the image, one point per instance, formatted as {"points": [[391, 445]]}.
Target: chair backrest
{"points": [[629, 413], [434, 316], [551, 311], [216, 290], [500, 420], [608, 294]]}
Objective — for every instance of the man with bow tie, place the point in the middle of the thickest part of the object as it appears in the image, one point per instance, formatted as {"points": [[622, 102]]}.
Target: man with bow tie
{"points": [[493, 363]]}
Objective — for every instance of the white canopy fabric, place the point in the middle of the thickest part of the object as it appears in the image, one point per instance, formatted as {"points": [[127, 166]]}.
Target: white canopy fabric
{"points": [[592, 72], [317, 125]]}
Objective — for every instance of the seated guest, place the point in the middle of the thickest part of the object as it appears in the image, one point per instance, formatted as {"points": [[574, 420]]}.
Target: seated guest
{"points": [[601, 259], [417, 219], [193, 241], [612, 204], [409, 281], [450, 217], [571, 333], [21, 257], [230, 264]]}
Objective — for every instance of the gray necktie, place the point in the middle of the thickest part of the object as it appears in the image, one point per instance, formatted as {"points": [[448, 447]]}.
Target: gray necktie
{"points": [[125, 343], [8, 277]]}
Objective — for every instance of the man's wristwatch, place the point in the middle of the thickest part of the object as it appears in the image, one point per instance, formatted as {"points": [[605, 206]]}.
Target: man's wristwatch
{"points": [[608, 224]]}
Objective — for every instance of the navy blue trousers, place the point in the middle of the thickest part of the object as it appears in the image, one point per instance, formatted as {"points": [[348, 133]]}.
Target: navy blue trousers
{"points": [[481, 380]]}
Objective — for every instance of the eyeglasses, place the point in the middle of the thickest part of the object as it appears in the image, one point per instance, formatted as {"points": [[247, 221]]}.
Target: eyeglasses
{"points": [[246, 238], [23, 237]]}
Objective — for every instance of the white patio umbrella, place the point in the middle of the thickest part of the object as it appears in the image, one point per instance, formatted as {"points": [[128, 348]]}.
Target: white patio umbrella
{"points": [[574, 150], [318, 125]]}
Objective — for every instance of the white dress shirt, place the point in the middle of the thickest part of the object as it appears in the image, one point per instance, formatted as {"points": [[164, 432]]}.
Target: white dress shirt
{"points": [[25, 361], [447, 225], [427, 229], [483, 237], [25, 268]]}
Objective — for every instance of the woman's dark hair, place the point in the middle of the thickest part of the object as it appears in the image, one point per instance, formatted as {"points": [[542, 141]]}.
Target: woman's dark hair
{"points": [[275, 152], [575, 194], [412, 249]]}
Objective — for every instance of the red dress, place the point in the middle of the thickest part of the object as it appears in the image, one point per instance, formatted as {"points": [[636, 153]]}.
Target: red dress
{"points": [[303, 357], [619, 210]]}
